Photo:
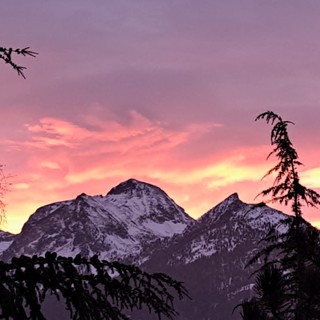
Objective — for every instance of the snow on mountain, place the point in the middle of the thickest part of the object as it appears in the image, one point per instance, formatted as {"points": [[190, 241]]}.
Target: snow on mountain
{"points": [[150, 207], [227, 226], [116, 226], [210, 257], [258, 216], [6, 238]]}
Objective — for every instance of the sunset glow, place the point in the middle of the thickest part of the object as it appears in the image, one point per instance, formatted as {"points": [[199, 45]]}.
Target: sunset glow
{"points": [[158, 91]]}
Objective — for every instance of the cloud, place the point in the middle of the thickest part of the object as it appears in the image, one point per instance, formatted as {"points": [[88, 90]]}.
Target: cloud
{"points": [[311, 178], [58, 158], [180, 72], [111, 136], [63, 159]]}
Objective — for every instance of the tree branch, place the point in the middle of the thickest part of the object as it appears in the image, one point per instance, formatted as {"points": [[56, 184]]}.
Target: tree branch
{"points": [[6, 54]]}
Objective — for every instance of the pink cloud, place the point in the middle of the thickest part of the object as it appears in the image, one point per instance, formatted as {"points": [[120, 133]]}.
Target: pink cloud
{"points": [[182, 71], [60, 159], [63, 159]]}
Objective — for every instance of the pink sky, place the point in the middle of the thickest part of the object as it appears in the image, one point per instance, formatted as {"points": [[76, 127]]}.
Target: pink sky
{"points": [[162, 91]]}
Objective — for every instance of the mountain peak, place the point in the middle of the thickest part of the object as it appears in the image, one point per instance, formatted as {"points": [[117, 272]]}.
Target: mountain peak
{"points": [[82, 196], [224, 208], [147, 201], [120, 225], [233, 197], [130, 185]]}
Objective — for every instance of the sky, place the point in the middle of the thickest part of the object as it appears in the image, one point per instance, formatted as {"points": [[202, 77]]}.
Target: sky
{"points": [[165, 92]]}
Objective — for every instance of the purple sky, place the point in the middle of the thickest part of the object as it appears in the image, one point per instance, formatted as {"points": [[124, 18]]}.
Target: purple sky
{"points": [[162, 91]]}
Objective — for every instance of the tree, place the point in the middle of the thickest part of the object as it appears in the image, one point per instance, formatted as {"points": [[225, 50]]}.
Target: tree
{"points": [[285, 287], [6, 54], [91, 288], [286, 187], [4, 186]]}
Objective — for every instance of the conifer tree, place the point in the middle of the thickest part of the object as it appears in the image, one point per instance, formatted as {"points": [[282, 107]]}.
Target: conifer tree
{"points": [[92, 289], [284, 288], [286, 187]]}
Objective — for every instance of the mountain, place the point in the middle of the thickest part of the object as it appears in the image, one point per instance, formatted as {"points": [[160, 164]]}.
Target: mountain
{"points": [[117, 226], [136, 222], [211, 255]]}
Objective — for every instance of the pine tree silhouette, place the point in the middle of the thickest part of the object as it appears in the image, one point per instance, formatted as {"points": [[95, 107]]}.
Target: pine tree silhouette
{"points": [[284, 284]]}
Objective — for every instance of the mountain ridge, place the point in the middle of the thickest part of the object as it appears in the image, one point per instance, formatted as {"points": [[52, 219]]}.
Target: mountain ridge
{"points": [[117, 225], [137, 222]]}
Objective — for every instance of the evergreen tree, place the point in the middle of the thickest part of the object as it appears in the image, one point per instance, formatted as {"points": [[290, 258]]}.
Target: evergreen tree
{"points": [[286, 187], [284, 287], [92, 289]]}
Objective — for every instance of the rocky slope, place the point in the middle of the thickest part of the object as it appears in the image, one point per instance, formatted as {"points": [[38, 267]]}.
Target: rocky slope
{"points": [[211, 257], [117, 226]]}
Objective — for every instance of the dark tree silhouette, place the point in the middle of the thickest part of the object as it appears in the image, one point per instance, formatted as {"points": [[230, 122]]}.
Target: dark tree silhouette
{"points": [[6, 54], [286, 187], [285, 287], [251, 310], [92, 289]]}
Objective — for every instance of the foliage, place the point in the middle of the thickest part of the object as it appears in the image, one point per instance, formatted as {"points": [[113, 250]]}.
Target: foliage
{"points": [[92, 288], [286, 187], [251, 310], [286, 285], [7, 53]]}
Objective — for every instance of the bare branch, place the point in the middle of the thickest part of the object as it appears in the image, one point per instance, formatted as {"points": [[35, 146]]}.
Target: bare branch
{"points": [[7, 53]]}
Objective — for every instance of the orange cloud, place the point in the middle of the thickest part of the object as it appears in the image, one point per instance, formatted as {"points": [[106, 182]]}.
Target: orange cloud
{"points": [[59, 159], [311, 178]]}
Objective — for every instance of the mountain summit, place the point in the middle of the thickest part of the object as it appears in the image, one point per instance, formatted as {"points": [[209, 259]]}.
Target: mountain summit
{"points": [[134, 187], [149, 204], [117, 226], [210, 257]]}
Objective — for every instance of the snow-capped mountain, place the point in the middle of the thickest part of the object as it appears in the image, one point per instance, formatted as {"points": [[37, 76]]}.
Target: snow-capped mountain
{"points": [[211, 257], [137, 222], [225, 227], [116, 226]]}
